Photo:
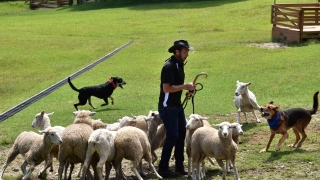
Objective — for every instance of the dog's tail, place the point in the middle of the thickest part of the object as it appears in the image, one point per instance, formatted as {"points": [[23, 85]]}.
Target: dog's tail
{"points": [[315, 103], [72, 86]]}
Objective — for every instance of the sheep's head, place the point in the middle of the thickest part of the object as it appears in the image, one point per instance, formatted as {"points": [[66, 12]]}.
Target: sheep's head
{"points": [[154, 117], [83, 116], [195, 121], [241, 88], [225, 130], [127, 121], [236, 129], [40, 118], [98, 124], [53, 135]]}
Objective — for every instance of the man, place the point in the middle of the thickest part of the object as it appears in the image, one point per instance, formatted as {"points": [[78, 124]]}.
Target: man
{"points": [[171, 110]]}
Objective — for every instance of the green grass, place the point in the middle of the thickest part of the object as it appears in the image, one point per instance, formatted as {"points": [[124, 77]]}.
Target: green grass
{"points": [[40, 47]]}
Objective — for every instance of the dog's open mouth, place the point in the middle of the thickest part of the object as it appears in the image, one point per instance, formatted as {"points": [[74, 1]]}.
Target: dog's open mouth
{"points": [[120, 84], [265, 114]]}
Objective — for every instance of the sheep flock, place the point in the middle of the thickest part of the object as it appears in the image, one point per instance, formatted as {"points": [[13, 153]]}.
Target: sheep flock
{"points": [[98, 147]]}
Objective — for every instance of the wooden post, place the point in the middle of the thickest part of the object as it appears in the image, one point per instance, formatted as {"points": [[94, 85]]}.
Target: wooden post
{"points": [[301, 20]]}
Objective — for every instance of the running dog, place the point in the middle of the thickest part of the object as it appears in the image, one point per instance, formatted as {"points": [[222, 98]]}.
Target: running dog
{"points": [[281, 121], [102, 91]]}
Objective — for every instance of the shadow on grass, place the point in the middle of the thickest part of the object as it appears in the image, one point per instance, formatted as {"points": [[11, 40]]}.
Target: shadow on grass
{"points": [[246, 127], [106, 109], [276, 155], [146, 5]]}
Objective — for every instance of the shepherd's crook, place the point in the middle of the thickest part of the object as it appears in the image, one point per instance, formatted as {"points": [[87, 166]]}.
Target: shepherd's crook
{"points": [[194, 83]]}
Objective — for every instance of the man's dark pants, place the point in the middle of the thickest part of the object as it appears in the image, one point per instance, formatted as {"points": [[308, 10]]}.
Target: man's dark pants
{"points": [[175, 122]]}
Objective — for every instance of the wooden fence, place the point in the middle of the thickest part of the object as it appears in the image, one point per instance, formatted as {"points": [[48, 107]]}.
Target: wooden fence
{"points": [[295, 22]]}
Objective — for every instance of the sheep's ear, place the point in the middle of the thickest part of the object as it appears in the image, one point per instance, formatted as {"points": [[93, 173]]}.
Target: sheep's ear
{"points": [[149, 118], [238, 82], [204, 118], [42, 113], [217, 125], [43, 131], [248, 83], [92, 113], [50, 114], [135, 117], [75, 113]]}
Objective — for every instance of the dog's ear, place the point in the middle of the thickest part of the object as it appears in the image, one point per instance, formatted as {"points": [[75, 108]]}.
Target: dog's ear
{"points": [[271, 102]]}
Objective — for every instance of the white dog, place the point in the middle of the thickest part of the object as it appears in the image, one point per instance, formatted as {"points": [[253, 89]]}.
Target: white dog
{"points": [[245, 101]]}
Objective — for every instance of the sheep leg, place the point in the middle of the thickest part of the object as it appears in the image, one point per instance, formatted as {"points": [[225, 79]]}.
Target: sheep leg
{"points": [[108, 167], [102, 161], [48, 163], [136, 173], [239, 112], [119, 172], [141, 170], [3, 169], [11, 156], [71, 169], [189, 164], [154, 170], [66, 166], [87, 163], [194, 165], [79, 172], [228, 165], [220, 162], [31, 169], [246, 117], [255, 116], [62, 163], [154, 156], [23, 168], [204, 169], [235, 168]]}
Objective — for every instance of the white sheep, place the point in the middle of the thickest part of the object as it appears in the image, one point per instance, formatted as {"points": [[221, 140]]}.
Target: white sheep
{"points": [[102, 142], [215, 143], [195, 121], [124, 121], [75, 141], [245, 101], [236, 132], [158, 141], [154, 120], [142, 122], [132, 143], [34, 147], [42, 121]]}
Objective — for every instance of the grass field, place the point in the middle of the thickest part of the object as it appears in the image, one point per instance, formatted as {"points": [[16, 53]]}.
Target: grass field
{"points": [[40, 47]]}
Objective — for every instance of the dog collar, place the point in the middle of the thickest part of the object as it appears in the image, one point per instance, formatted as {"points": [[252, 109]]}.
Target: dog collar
{"points": [[273, 123], [112, 83]]}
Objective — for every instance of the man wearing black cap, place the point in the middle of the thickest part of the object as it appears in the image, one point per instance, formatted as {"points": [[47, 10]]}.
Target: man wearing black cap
{"points": [[170, 108]]}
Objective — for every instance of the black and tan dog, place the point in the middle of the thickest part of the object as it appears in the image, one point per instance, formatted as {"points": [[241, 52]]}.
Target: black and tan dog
{"points": [[102, 91], [281, 121]]}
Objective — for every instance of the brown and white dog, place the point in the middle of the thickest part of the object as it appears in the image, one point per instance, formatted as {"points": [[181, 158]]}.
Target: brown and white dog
{"points": [[281, 121]]}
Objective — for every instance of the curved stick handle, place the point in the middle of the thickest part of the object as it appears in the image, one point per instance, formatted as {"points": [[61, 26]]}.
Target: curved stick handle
{"points": [[194, 83]]}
